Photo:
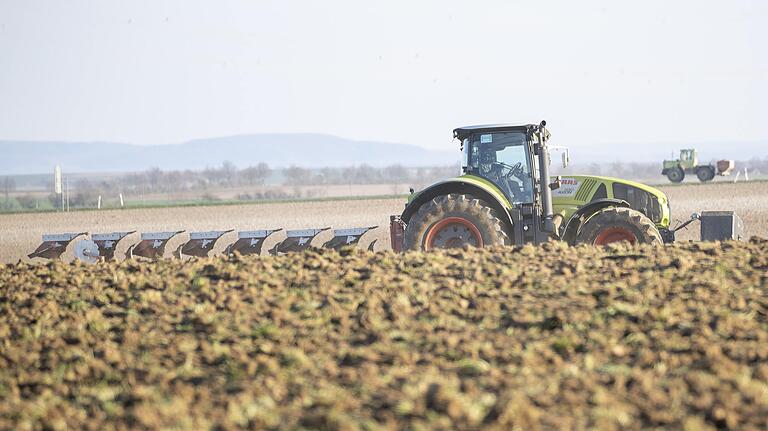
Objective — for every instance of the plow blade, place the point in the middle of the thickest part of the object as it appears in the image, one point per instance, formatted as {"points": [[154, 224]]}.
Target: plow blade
{"points": [[249, 242], [344, 237], [152, 245], [297, 240], [200, 244], [54, 245], [107, 243]]}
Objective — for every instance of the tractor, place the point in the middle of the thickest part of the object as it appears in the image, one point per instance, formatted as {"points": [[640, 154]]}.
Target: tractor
{"points": [[688, 163], [505, 196]]}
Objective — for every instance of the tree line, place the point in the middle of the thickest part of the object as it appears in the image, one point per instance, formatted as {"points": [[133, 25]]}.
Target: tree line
{"points": [[260, 181]]}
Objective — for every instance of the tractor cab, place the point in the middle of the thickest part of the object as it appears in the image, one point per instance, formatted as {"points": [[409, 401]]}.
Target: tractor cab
{"points": [[688, 158], [503, 157]]}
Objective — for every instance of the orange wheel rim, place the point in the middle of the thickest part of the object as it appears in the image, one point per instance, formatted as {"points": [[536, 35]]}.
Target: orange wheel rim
{"points": [[453, 232], [615, 234]]}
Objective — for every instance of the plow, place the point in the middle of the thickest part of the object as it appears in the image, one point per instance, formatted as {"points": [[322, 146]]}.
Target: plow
{"points": [[505, 196], [152, 245]]}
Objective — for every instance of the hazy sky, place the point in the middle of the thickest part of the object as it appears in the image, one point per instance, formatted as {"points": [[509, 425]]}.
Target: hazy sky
{"points": [[153, 72]]}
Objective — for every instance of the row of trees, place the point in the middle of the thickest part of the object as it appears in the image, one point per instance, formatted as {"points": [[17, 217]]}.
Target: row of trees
{"points": [[365, 174], [644, 171], [84, 192], [156, 180], [8, 185], [227, 175]]}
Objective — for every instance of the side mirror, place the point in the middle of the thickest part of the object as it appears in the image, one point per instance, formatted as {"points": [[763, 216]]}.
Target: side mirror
{"points": [[566, 158]]}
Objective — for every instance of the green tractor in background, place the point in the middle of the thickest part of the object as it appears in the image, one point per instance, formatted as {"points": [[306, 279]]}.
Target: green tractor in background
{"points": [[688, 163], [505, 197]]}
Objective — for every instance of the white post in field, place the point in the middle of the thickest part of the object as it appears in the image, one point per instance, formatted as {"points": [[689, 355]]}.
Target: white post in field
{"points": [[66, 181], [57, 185]]}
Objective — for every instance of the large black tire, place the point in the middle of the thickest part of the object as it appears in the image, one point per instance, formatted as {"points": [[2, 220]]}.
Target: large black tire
{"points": [[454, 220], [615, 224], [705, 173], [676, 175]]}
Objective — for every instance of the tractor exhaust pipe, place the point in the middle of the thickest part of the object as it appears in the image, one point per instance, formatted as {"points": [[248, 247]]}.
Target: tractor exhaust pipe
{"points": [[547, 224]]}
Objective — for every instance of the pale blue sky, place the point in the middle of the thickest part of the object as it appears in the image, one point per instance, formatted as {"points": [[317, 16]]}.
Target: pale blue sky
{"points": [[153, 72]]}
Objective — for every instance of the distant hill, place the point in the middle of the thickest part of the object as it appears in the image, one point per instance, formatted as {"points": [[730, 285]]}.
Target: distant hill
{"points": [[309, 151], [277, 150]]}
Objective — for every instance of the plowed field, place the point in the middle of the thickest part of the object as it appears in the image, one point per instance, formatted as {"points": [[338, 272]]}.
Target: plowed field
{"points": [[534, 338]]}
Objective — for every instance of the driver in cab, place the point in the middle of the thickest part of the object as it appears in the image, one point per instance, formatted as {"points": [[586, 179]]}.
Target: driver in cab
{"points": [[511, 179]]}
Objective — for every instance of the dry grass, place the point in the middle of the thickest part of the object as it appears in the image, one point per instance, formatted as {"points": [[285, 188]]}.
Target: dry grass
{"points": [[20, 233]]}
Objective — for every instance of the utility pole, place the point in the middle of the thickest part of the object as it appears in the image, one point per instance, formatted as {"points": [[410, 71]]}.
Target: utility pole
{"points": [[57, 187], [67, 183]]}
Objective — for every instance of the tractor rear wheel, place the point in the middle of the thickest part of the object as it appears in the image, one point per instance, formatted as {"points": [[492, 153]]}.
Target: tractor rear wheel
{"points": [[616, 224], [705, 173], [454, 220], [676, 175]]}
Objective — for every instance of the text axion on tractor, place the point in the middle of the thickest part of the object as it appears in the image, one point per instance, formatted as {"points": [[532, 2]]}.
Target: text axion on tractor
{"points": [[505, 196]]}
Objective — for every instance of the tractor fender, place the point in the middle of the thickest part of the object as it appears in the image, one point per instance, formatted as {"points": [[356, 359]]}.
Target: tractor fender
{"points": [[460, 187], [584, 213]]}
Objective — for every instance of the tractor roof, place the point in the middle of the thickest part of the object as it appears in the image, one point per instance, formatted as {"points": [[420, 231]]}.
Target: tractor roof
{"points": [[463, 132]]}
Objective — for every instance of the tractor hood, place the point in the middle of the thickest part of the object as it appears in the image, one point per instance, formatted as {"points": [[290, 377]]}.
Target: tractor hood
{"points": [[652, 190], [578, 190]]}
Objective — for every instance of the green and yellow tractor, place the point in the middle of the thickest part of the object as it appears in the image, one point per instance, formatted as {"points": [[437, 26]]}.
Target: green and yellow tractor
{"points": [[688, 163], [505, 197]]}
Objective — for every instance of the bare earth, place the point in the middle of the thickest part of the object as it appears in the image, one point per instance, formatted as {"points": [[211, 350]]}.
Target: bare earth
{"points": [[20, 233], [526, 338]]}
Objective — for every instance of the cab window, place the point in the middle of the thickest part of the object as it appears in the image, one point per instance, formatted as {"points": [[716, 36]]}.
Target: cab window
{"points": [[502, 158]]}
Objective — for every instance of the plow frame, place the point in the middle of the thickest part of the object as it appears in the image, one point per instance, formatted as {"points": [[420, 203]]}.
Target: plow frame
{"points": [[348, 237], [296, 240], [54, 245], [152, 245], [249, 242], [107, 243], [200, 244]]}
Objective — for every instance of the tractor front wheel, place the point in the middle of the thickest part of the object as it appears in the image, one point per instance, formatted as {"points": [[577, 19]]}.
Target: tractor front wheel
{"points": [[676, 175], [452, 221], [616, 224]]}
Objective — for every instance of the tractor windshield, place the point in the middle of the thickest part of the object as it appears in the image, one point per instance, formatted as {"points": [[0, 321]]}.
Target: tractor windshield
{"points": [[503, 159]]}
